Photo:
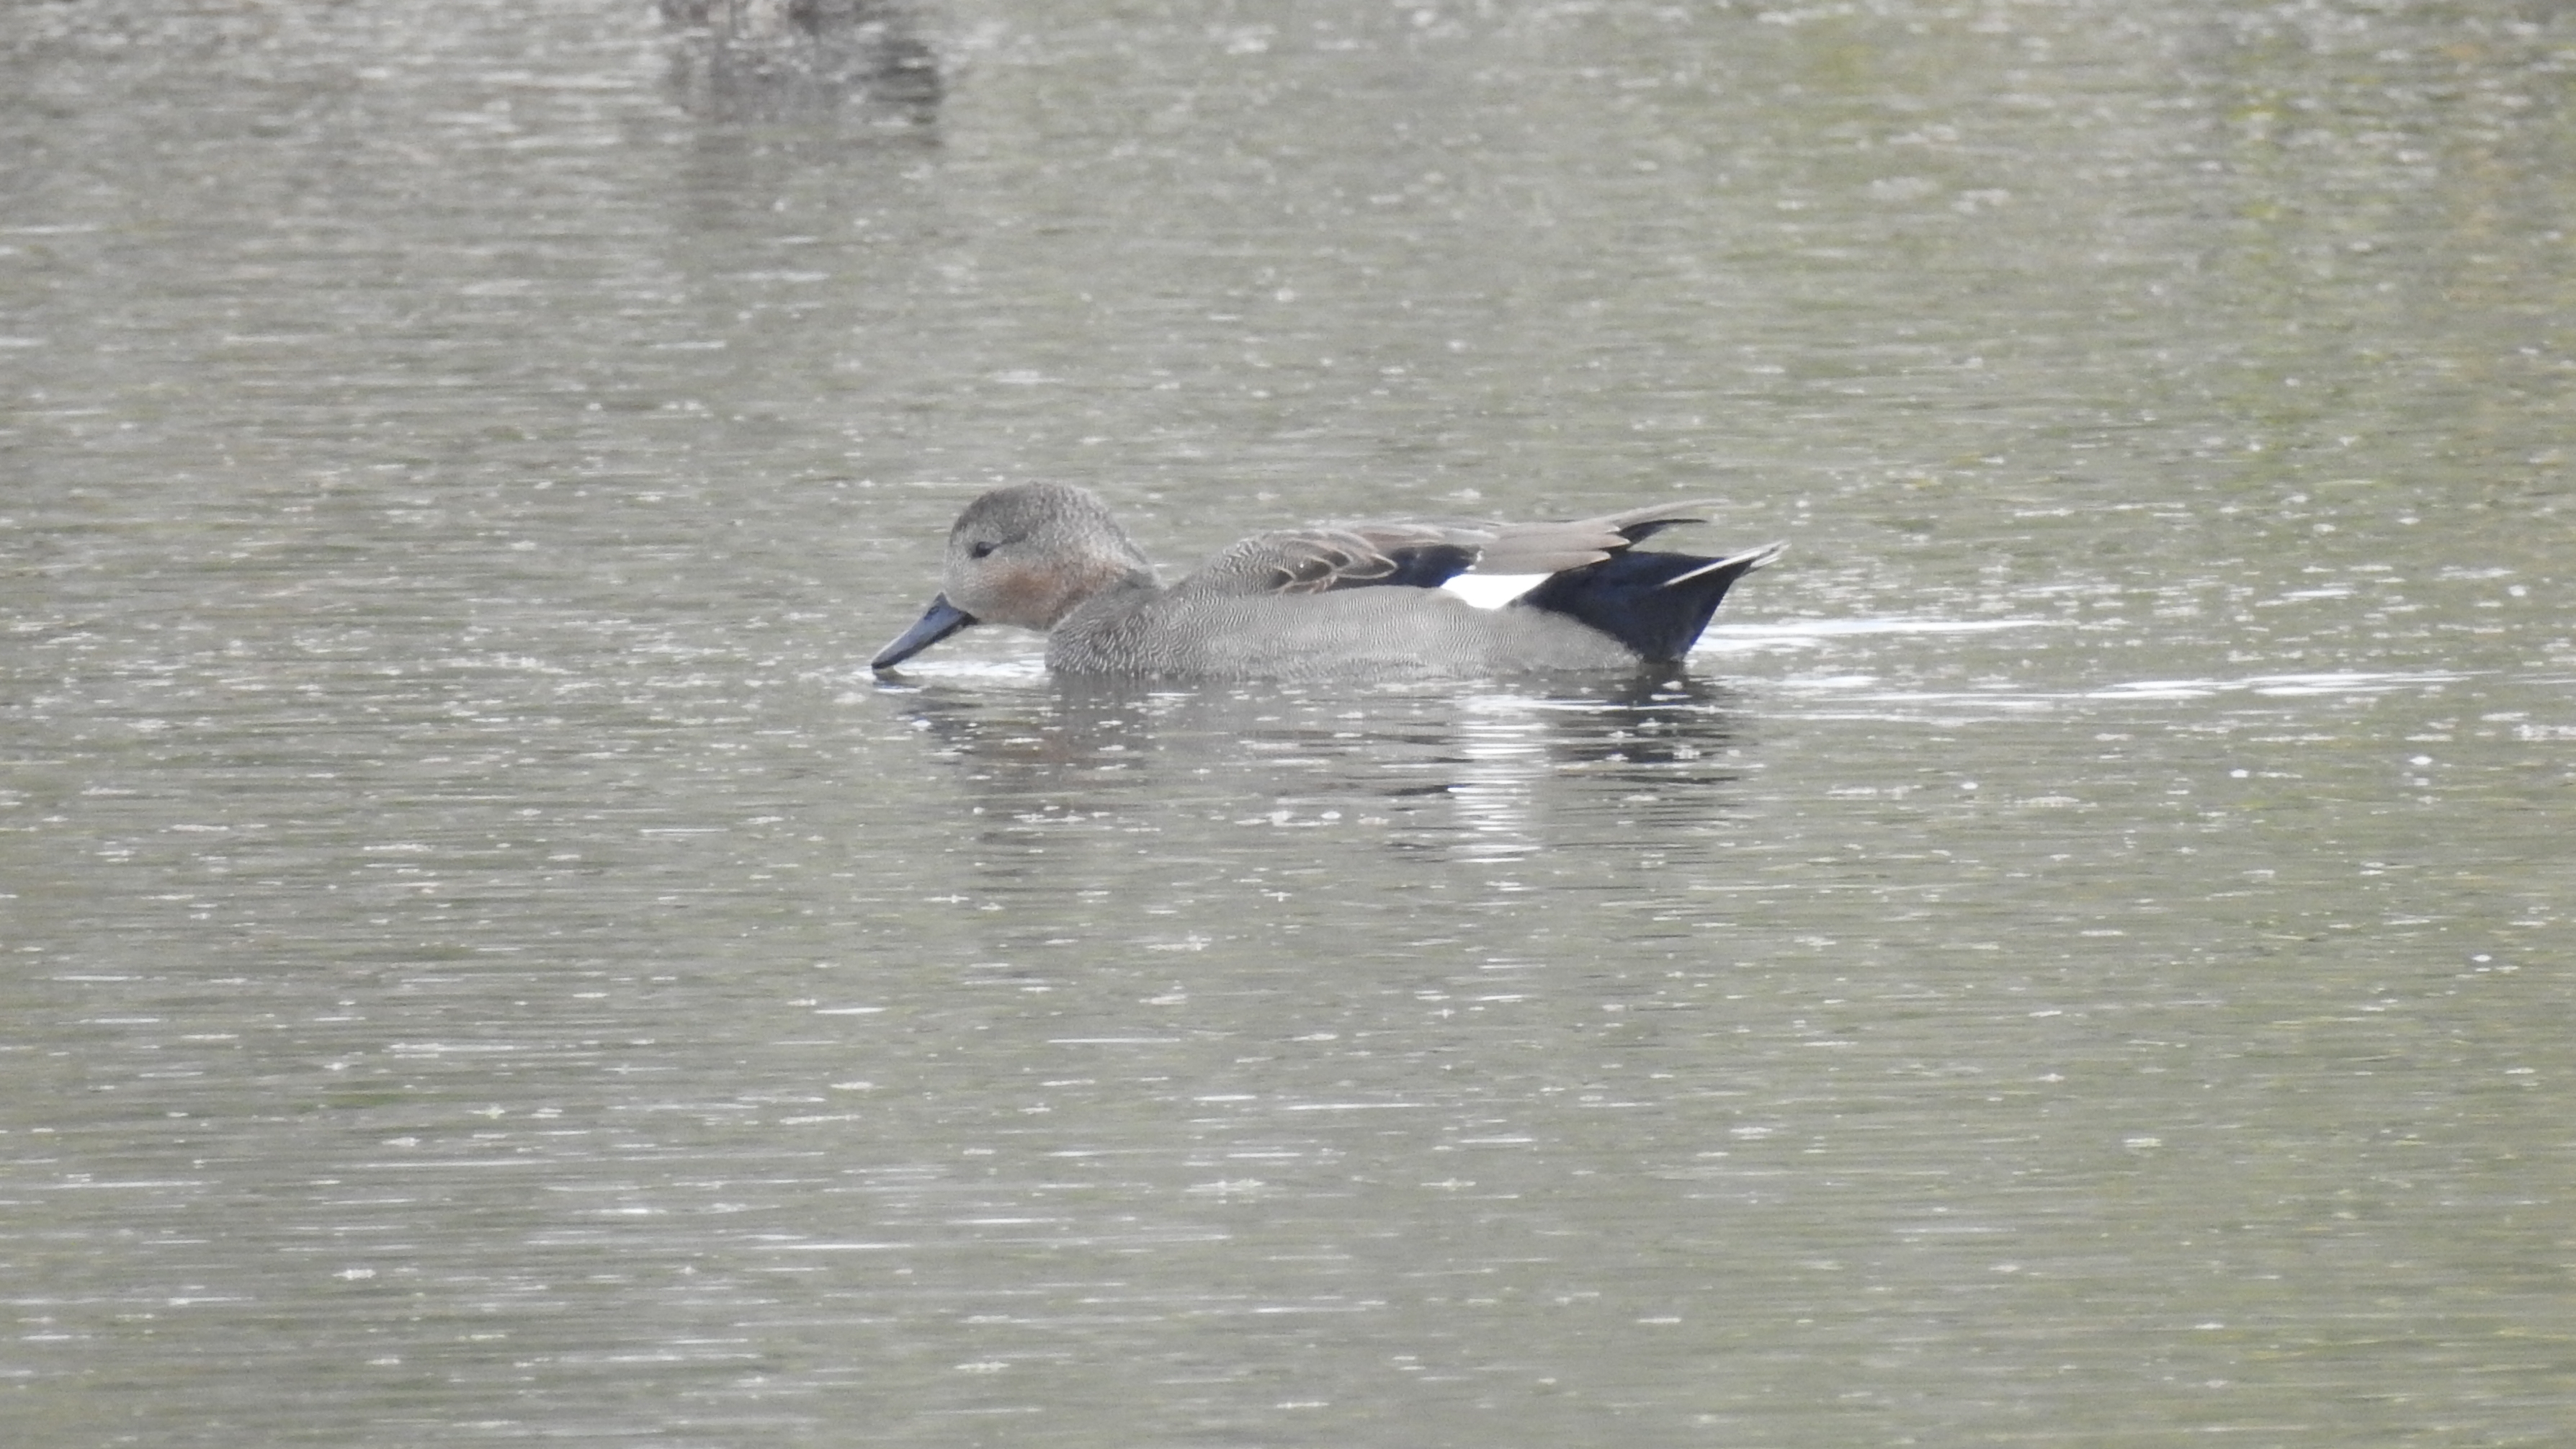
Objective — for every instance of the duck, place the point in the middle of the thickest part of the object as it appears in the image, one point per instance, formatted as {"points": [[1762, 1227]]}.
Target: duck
{"points": [[1404, 597]]}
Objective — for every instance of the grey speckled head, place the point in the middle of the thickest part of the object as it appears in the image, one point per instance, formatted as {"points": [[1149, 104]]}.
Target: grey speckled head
{"points": [[1026, 555]]}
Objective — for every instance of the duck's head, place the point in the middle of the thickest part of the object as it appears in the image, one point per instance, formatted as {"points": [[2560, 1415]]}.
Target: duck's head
{"points": [[1025, 555]]}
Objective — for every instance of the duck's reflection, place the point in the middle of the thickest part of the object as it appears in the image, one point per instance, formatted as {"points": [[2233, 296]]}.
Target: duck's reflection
{"points": [[1488, 773], [751, 60]]}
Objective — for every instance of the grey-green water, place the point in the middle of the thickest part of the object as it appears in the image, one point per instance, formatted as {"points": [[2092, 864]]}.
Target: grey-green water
{"points": [[2085, 958]]}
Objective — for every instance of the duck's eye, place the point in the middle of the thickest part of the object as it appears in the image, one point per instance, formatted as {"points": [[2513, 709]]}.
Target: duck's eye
{"points": [[979, 550]]}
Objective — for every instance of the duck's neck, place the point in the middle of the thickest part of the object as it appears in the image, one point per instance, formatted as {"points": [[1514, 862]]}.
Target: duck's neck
{"points": [[1115, 593]]}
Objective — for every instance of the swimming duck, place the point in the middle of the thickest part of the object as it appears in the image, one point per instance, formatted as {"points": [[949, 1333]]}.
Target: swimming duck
{"points": [[1330, 600]]}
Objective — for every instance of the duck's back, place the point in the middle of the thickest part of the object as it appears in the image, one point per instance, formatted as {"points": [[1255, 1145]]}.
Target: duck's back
{"points": [[1357, 633]]}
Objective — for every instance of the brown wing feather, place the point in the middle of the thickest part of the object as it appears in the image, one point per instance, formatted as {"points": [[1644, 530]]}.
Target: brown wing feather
{"points": [[1546, 548], [1315, 562], [1331, 556], [1293, 561]]}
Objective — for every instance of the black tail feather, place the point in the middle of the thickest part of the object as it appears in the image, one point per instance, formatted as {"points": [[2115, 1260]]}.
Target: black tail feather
{"points": [[1655, 603]]}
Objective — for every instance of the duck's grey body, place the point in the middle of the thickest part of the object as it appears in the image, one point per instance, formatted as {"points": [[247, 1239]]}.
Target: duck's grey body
{"points": [[1360, 632], [1330, 601]]}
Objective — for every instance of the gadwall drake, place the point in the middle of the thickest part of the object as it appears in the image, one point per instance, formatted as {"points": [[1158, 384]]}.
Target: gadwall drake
{"points": [[1329, 600]]}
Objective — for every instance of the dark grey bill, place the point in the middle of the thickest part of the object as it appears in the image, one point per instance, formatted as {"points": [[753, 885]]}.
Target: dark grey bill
{"points": [[937, 622]]}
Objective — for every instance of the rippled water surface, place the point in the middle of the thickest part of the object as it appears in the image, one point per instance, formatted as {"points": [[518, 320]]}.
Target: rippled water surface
{"points": [[2082, 957]]}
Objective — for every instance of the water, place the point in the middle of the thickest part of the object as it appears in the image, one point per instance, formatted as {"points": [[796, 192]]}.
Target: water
{"points": [[2081, 959]]}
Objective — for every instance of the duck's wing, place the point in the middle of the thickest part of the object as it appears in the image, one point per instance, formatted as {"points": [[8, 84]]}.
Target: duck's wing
{"points": [[1551, 548], [1423, 554], [1331, 556]]}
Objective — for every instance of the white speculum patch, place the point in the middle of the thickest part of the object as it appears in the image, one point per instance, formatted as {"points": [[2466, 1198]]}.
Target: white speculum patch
{"points": [[1492, 591]]}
